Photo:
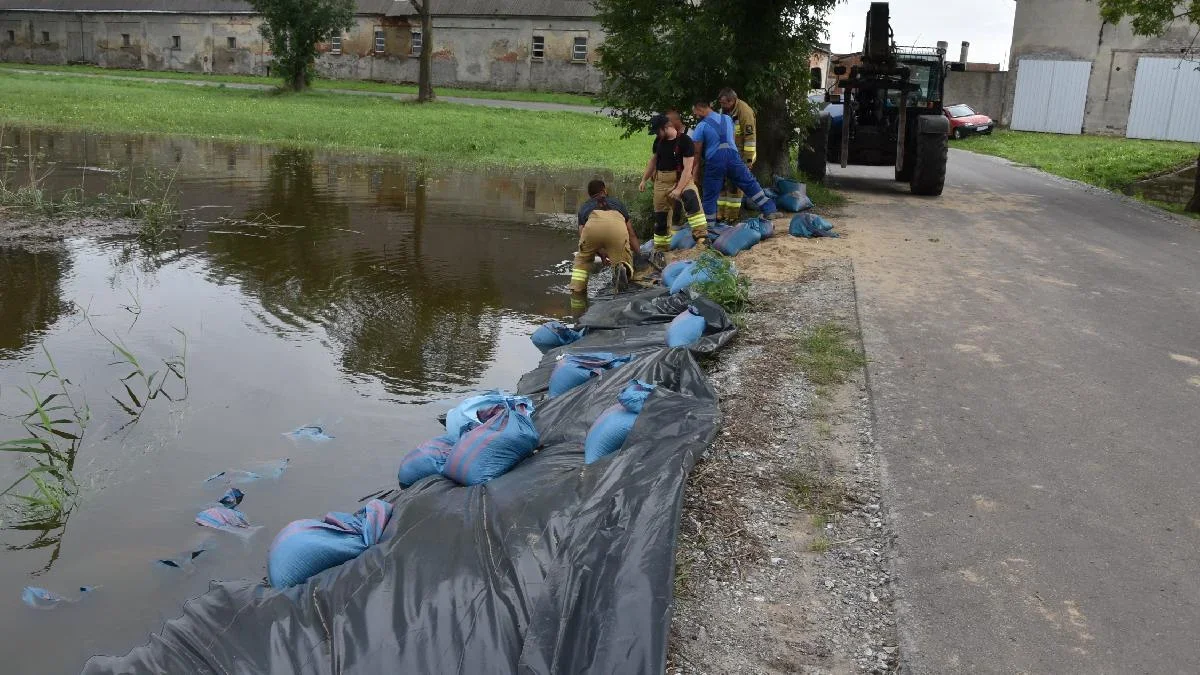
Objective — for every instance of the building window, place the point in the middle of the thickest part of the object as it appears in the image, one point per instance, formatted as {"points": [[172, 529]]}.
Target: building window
{"points": [[418, 41], [176, 42], [124, 39], [579, 54], [539, 47], [12, 36], [380, 42], [46, 36], [232, 42], [335, 45]]}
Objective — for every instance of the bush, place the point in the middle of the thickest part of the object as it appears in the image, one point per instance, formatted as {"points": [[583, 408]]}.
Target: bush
{"points": [[724, 285]]}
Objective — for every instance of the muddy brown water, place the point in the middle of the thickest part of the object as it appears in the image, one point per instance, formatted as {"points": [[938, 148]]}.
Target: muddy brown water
{"points": [[373, 297]]}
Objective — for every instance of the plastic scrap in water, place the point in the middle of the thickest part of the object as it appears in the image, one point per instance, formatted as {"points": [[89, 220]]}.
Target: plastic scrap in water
{"points": [[222, 518], [40, 598], [231, 498], [310, 432], [181, 562], [271, 469]]}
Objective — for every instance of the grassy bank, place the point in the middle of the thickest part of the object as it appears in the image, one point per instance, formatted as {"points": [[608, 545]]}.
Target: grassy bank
{"points": [[1109, 162], [319, 85], [441, 132]]}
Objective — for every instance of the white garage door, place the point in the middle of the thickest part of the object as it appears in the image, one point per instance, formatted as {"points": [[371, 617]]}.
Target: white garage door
{"points": [[1050, 96], [1166, 100]]}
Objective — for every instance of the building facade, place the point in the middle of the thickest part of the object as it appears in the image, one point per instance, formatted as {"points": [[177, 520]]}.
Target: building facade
{"points": [[1072, 72], [545, 45]]}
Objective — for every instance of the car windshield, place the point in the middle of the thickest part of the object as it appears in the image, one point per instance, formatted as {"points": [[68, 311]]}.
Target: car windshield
{"points": [[960, 111]]}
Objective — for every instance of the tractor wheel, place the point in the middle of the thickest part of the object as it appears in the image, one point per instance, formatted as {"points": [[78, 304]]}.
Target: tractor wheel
{"points": [[813, 157], [929, 167]]}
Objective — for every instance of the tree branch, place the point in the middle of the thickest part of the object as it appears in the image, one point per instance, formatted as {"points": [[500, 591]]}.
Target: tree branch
{"points": [[418, 5]]}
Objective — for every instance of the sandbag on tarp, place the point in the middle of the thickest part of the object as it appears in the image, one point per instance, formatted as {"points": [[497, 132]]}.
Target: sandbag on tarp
{"points": [[554, 334], [475, 410], [505, 437], [686, 329], [610, 430], [670, 272], [739, 238], [635, 323], [307, 547], [576, 369], [692, 275], [554, 567], [425, 460]]}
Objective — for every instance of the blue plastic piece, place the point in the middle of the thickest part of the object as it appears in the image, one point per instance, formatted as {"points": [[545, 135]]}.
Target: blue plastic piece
{"points": [[494, 447], [810, 225], [426, 460], [231, 498], [687, 328], [40, 598], [609, 431], [304, 548], [672, 271], [272, 469], [683, 240], [576, 369], [310, 432], [793, 202], [222, 518], [555, 334], [737, 239]]}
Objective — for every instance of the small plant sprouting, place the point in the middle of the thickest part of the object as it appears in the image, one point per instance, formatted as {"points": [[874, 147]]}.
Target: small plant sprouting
{"points": [[724, 286], [827, 355]]}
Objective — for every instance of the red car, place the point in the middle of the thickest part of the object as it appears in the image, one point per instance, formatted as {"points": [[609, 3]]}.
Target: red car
{"points": [[964, 121]]}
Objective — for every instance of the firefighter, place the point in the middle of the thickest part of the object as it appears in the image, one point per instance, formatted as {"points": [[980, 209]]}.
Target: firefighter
{"points": [[671, 170], [729, 204], [604, 230], [714, 141]]}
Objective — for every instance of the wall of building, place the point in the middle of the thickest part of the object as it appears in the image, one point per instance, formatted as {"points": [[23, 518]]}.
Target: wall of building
{"points": [[984, 91], [1073, 30], [472, 52], [469, 52]]}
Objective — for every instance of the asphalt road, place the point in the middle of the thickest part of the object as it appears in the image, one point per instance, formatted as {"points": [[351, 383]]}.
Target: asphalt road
{"points": [[1034, 356]]}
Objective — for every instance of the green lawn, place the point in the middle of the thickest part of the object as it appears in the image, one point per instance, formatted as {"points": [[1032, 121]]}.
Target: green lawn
{"points": [[442, 132], [320, 84], [1109, 162]]}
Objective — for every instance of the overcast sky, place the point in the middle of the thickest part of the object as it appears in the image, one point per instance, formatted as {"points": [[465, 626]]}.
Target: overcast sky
{"points": [[986, 24]]}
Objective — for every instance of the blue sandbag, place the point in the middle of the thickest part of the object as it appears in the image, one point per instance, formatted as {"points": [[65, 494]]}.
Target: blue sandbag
{"points": [[576, 369], [786, 185], [737, 239], [554, 334], [493, 448], [717, 229], [765, 227], [304, 548], [609, 431], [222, 518], [682, 240], [810, 225], [475, 410], [794, 202], [686, 328], [689, 276], [424, 461], [672, 271]]}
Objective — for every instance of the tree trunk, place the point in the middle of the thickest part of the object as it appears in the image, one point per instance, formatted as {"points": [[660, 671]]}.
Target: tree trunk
{"points": [[298, 80], [774, 139], [1194, 204], [425, 80]]}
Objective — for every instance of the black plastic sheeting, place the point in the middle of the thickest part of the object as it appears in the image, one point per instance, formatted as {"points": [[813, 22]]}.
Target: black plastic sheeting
{"points": [[555, 567]]}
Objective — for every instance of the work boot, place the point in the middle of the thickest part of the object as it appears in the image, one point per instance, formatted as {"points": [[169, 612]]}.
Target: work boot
{"points": [[658, 260], [621, 276]]}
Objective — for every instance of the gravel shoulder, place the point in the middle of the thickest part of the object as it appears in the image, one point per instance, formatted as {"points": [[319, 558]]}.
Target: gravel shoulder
{"points": [[784, 555]]}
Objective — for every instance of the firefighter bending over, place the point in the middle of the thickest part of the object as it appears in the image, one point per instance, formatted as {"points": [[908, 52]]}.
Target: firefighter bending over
{"points": [[714, 140], [745, 139], [604, 230], [671, 168]]}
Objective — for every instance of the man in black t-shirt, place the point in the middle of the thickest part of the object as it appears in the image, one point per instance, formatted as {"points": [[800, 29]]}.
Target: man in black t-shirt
{"points": [[670, 168]]}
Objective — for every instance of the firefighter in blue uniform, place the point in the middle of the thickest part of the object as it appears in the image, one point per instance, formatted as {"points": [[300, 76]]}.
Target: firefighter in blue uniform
{"points": [[714, 138]]}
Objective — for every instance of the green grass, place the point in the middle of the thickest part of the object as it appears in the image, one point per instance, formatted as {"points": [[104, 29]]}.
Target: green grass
{"points": [[821, 194], [819, 544], [827, 355], [817, 494], [442, 132], [319, 84], [1109, 162]]}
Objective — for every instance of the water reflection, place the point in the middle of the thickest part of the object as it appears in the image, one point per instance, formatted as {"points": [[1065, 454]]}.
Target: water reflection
{"points": [[31, 297]]}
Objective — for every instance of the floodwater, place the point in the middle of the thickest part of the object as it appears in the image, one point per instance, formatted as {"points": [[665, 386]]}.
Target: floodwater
{"points": [[364, 297]]}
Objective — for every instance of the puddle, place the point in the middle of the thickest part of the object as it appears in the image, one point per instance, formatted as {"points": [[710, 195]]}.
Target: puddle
{"points": [[364, 297]]}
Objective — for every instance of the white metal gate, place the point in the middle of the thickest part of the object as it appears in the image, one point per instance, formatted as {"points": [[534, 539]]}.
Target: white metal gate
{"points": [[1050, 96], [1166, 100]]}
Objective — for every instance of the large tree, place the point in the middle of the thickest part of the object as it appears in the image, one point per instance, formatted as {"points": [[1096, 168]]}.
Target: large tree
{"points": [[661, 54], [294, 28], [425, 76], [1155, 17]]}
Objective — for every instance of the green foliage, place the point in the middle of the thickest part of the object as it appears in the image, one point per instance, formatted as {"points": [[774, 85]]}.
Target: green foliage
{"points": [[1151, 17], [827, 355], [661, 54], [293, 28], [725, 286]]}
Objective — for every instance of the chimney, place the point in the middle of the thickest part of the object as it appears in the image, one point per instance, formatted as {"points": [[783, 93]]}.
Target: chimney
{"points": [[962, 56], [942, 46]]}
